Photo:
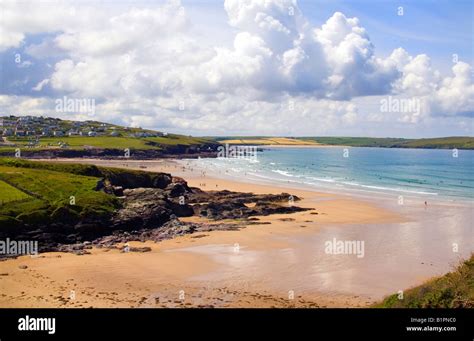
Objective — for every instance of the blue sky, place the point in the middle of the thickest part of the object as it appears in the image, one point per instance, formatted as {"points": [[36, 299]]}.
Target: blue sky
{"points": [[437, 28], [245, 67]]}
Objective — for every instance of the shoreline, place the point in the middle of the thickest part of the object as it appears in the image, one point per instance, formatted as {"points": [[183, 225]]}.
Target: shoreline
{"points": [[175, 167], [363, 192], [194, 263]]}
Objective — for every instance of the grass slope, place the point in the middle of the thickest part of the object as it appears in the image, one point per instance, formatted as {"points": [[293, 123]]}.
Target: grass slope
{"points": [[79, 169], [48, 193], [48, 188], [453, 290], [9, 193]]}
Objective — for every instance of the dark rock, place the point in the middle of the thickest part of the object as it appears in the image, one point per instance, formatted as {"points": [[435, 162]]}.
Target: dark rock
{"points": [[161, 180], [142, 207], [176, 189], [234, 205], [181, 210], [118, 191], [140, 249]]}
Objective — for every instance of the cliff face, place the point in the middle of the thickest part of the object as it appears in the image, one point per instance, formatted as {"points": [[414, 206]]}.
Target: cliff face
{"points": [[164, 151]]}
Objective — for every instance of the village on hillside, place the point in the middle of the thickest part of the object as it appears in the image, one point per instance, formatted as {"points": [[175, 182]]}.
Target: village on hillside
{"points": [[34, 128]]}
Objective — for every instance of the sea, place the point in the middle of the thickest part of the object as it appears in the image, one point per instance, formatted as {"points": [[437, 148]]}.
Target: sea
{"points": [[424, 173]]}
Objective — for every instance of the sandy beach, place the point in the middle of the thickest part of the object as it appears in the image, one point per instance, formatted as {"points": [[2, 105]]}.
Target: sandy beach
{"points": [[278, 263]]}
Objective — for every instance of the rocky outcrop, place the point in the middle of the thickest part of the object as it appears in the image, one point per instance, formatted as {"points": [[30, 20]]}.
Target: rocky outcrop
{"points": [[225, 204], [150, 207], [169, 230], [132, 179], [142, 208]]}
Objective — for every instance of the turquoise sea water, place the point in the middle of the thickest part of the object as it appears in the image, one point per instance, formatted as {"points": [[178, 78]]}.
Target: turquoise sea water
{"points": [[418, 172]]}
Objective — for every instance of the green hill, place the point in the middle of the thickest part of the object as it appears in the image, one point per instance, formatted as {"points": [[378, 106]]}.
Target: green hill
{"points": [[35, 134], [459, 142]]}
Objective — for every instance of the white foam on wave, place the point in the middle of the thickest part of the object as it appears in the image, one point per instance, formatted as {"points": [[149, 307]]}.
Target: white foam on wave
{"points": [[321, 179], [236, 167], [281, 172], [395, 189]]}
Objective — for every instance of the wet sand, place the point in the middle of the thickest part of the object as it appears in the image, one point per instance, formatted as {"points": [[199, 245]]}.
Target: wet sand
{"points": [[281, 263]]}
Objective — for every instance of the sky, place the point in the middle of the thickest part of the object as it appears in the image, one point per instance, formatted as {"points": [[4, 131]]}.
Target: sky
{"points": [[244, 67]]}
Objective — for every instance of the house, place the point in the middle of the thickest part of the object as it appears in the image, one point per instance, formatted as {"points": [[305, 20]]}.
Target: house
{"points": [[20, 133], [72, 132], [143, 134], [46, 132], [7, 132], [91, 134], [114, 133], [58, 133], [24, 119]]}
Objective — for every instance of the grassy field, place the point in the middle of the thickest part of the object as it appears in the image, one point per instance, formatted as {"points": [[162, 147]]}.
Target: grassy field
{"points": [[78, 169], [52, 195], [453, 290], [9, 193], [108, 142]]}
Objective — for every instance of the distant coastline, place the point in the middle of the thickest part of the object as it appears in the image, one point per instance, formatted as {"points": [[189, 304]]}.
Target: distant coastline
{"points": [[451, 142], [46, 137]]}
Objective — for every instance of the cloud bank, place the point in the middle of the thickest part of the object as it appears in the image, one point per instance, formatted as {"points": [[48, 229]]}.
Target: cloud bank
{"points": [[279, 74]]}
